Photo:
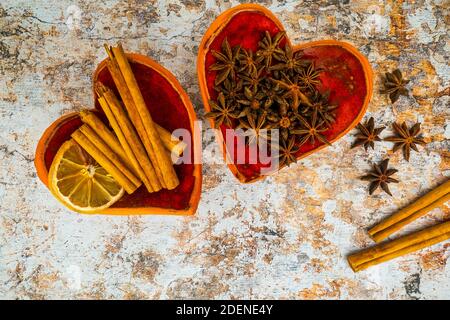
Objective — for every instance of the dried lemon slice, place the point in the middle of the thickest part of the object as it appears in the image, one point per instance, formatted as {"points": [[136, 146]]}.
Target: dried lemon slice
{"points": [[79, 182]]}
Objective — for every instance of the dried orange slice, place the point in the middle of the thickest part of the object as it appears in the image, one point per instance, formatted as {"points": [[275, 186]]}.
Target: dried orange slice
{"points": [[79, 182]]}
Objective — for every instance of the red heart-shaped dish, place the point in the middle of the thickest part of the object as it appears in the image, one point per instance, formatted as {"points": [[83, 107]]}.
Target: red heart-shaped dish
{"points": [[171, 108], [346, 74]]}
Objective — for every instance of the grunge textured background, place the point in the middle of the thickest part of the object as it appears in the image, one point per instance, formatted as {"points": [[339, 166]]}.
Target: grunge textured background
{"points": [[284, 237]]}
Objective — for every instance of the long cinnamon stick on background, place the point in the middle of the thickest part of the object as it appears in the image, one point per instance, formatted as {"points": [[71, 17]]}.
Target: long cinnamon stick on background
{"points": [[383, 234], [395, 248], [420, 203], [163, 159], [402, 252]]}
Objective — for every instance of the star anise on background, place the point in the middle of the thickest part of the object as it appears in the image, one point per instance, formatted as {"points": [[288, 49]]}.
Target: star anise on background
{"points": [[287, 151], [368, 134], [320, 104], [227, 62], [309, 77], [394, 85], [380, 177], [406, 139], [269, 47], [311, 131], [221, 112], [289, 61]]}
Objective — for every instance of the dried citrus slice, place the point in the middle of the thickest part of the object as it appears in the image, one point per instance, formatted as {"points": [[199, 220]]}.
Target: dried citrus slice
{"points": [[79, 182]]}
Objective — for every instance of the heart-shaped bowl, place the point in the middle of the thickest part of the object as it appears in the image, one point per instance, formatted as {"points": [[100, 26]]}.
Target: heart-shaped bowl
{"points": [[346, 74], [171, 108]]}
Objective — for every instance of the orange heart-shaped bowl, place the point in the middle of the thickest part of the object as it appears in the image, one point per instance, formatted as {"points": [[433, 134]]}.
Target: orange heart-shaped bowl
{"points": [[170, 108], [346, 74]]}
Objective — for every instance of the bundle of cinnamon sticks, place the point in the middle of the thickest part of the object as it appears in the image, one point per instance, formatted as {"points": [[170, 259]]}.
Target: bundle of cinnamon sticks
{"points": [[409, 243], [138, 151]]}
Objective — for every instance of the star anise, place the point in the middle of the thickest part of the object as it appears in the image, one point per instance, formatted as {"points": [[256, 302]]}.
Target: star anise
{"points": [[285, 120], [394, 85], [287, 151], [289, 61], [253, 79], [368, 134], [256, 128], [320, 104], [232, 90], [247, 61], [221, 112], [380, 177], [309, 76], [227, 62], [406, 139], [268, 47], [272, 93], [311, 131], [252, 101], [292, 90]]}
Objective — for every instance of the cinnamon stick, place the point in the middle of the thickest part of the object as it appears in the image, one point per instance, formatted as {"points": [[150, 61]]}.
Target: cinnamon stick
{"points": [[124, 143], [133, 113], [398, 247], [107, 136], [109, 153], [104, 161], [383, 234], [161, 157], [132, 140], [419, 204], [171, 143]]}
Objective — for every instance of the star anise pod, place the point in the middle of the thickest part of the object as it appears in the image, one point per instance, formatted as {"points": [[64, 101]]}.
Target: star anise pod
{"points": [[247, 61], [287, 151], [253, 78], [394, 85], [268, 46], [289, 61], [292, 90], [320, 104], [311, 131], [406, 139], [368, 134], [256, 128], [285, 120], [221, 112], [252, 101], [309, 77], [226, 62], [232, 90], [272, 93], [380, 177]]}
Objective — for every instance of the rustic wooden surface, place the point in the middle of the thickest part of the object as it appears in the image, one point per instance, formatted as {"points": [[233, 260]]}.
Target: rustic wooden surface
{"points": [[285, 237]]}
